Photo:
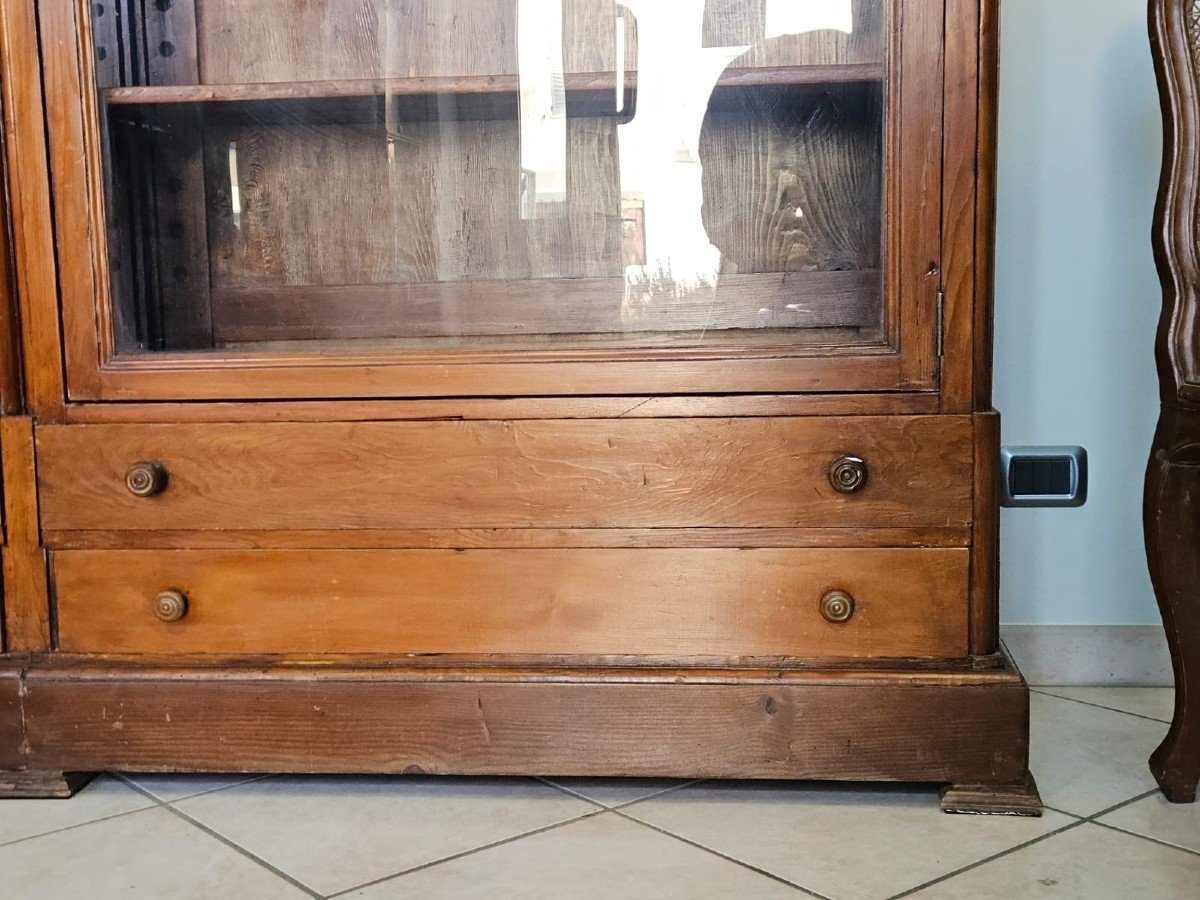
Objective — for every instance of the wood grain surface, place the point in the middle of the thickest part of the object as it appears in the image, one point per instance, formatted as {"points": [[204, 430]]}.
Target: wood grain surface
{"points": [[25, 589], [556, 474], [670, 724], [685, 603]]}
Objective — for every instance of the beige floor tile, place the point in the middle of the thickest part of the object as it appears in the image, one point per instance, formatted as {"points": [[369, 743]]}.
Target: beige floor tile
{"points": [[617, 791], [105, 796], [335, 833], [1153, 816], [1086, 759], [1086, 862], [178, 787], [152, 854], [845, 841], [1154, 703], [605, 857]]}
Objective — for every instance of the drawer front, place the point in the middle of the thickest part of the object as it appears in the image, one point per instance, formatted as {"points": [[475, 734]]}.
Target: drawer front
{"points": [[650, 473], [680, 603]]}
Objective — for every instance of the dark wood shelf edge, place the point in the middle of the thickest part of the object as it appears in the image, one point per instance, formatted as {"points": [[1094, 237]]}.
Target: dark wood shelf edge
{"points": [[847, 299], [470, 84]]}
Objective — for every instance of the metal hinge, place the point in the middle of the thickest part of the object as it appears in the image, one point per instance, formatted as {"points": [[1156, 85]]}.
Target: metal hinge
{"points": [[940, 337]]}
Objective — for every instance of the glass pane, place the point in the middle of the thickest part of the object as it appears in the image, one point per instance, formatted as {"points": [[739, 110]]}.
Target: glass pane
{"points": [[483, 175]]}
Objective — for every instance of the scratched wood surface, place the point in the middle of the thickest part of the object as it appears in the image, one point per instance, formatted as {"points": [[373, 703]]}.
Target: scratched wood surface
{"points": [[679, 603], [537, 474], [970, 729]]}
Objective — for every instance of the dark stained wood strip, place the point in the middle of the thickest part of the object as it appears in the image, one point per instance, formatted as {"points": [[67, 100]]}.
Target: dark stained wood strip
{"points": [[511, 408], [12, 728], [559, 669], [483, 538], [1170, 521], [11, 401]]}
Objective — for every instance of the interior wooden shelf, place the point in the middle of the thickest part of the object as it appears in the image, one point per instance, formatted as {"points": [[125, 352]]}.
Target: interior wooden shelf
{"points": [[576, 82], [788, 300]]}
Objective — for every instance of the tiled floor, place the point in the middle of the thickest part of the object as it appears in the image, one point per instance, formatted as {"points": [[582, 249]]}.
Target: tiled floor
{"points": [[1106, 832]]}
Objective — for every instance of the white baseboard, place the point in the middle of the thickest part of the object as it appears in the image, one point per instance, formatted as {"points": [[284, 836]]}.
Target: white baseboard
{"points": [[1090, 654]]}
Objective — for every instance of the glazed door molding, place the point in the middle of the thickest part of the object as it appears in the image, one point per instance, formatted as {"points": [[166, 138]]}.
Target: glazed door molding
{"points": [[584, 328]]}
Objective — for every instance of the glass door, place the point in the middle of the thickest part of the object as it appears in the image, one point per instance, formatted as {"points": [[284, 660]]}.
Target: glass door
{"points": [[539, 196]]}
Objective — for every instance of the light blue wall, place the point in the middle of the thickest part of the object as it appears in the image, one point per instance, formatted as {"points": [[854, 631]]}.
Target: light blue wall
{"points": [[1077, 297]]}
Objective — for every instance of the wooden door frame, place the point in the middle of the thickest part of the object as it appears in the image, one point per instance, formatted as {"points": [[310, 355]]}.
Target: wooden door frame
{"points": [[907, 362]]}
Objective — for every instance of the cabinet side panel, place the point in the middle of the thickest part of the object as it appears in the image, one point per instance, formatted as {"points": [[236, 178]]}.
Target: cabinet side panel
{"points": [[985, 542], [29, 196], [960, 241], [985, 214], [10, 329], [26, 592]]}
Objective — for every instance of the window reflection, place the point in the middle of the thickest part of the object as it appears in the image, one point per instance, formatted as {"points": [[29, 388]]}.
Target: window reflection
{"points": [[666, 250], [543, 104], [498, 173]]}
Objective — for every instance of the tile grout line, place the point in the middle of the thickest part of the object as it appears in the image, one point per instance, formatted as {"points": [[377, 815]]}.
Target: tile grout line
{"points": [[566, 790], [125, 780], [745, 865], [1079, 820], [988, 859], [1121, 805], [224, 840], [250, 779], [34, 837], [672, 790], [599, 811], [1046, 693], [1146, 837]]}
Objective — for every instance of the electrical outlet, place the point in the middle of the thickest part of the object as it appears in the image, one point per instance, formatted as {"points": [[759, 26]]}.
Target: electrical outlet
{"points": [[1043, 476]]}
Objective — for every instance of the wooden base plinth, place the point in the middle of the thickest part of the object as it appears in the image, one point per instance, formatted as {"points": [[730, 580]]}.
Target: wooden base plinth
{"points": [[41, 785], [951, 724], [1018, 799]]}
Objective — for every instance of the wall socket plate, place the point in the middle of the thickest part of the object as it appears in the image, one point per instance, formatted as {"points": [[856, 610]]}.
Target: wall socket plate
{"points": [[1043, 477]]}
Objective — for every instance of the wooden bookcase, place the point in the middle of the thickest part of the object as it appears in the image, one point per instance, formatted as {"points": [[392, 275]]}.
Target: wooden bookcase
{"points": [[506, 386]]}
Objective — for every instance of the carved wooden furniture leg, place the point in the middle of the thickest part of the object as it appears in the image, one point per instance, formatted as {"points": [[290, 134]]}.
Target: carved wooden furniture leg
{"points": [[1172, 521], [41, 785], [1021, 799]]}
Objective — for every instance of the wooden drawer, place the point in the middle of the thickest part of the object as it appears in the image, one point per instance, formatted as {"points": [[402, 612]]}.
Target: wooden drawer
{"points": [[663, 602], [592, 473]]}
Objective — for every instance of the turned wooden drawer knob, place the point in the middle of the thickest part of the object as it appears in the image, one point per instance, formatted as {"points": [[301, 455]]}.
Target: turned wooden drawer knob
{"points": [[848, 474], [171, 606], [837, 607], [146, 479]]}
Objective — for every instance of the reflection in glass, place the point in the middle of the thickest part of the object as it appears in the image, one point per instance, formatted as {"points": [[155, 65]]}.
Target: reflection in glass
{"points": [[494, 174]]}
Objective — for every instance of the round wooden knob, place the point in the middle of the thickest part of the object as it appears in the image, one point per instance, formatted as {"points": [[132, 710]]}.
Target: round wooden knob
{"points": [[146, 479], [848, 474], [171, 606], [837, 607]]}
